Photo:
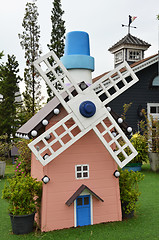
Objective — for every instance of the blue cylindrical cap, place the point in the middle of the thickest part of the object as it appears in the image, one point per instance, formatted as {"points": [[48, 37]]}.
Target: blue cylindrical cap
{"points": [[77, 51], [77, 43]]}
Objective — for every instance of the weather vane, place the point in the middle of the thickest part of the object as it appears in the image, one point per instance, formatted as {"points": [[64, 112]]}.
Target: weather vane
{"points": [[131, 19]]}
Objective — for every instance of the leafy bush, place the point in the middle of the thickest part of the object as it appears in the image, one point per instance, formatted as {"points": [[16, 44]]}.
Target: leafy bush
{"points": [[23, 162], [129, 188], [23, 194], [140, 144]]}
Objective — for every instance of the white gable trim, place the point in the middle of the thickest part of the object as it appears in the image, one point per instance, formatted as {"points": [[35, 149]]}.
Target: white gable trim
{"points": [[145, 64]]}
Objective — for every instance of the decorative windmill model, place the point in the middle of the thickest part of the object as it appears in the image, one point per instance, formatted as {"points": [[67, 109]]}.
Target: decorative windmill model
{"points": [[87, 109]]}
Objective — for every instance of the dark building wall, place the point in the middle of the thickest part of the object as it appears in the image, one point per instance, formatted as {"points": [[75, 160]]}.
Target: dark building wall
{"points": [[139, 94]]}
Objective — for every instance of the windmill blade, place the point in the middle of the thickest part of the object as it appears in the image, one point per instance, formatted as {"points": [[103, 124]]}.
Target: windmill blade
{"points": [[56, 139], [115, 140], [66, 132], [114, 83], [63, 134], [50, 67]]}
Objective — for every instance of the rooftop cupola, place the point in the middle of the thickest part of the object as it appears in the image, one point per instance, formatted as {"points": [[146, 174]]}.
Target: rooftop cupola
{"points": [[130, 49]]}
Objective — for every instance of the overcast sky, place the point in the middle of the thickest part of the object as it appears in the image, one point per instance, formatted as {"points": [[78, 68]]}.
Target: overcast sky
{"points": [[102, 20]]}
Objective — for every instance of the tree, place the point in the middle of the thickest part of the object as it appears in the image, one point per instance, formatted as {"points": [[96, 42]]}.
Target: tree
{"points": [[30, 43], [8, 89], [1, 54], [57, 34]]}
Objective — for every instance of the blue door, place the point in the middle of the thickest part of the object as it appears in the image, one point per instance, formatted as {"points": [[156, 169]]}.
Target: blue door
{"points": [[83, 210]]}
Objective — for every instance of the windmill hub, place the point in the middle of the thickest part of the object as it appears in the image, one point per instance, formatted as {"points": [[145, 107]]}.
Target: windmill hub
{"points": [[87, 109]]}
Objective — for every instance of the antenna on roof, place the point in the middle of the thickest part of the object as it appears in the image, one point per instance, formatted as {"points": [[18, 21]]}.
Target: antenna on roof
{"points": [[131, 19]]}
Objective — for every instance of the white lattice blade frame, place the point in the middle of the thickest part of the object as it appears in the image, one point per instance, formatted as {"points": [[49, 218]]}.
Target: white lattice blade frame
{"points": [[107, 82], [58, 138], [82, 133], [63, 74], [114, 141]]}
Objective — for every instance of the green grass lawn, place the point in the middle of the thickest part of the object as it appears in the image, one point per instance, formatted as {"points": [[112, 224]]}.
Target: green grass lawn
{"points": [[144, 226]]}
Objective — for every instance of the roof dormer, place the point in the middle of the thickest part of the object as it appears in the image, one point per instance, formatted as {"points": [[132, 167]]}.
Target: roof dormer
{"points": [[129, 48]]}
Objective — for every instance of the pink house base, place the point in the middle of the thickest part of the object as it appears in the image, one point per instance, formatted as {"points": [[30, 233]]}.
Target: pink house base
{"points": [[59, 198]]}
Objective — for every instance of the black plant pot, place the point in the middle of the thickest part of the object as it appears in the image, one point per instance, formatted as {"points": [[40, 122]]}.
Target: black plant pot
{"points": [[22, 224], [124, 214]]}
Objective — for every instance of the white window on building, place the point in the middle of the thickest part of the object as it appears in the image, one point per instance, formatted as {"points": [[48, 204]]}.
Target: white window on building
{"points": [[118, 57], [134, 55], [82, 171], [153, 109]]}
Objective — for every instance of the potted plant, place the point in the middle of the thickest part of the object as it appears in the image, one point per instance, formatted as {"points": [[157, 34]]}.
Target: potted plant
{"points": [[140, 144], [150, 128], [24, 195], [129, 191]]}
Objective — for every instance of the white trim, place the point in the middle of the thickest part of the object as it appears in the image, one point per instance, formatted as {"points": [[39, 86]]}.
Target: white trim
{"points": [[75, 215], [128, 46], [145, 64], [91, 205]]}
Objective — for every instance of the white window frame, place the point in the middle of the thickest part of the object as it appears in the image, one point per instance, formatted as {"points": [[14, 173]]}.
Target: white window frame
{"points": [[154, 115], [82, 171], [134, 59], [118, 57]]}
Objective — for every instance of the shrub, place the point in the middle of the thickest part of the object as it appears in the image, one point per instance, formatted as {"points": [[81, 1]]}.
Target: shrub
{"points": [[23, 194], [129, 189], [23, 162], [140, 144]]}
